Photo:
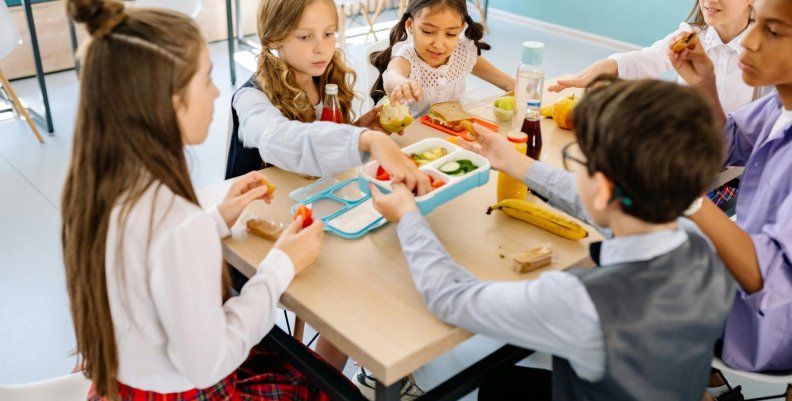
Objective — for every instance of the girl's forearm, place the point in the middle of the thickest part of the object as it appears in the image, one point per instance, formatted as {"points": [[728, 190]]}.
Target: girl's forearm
{"points": [[734, 246]]}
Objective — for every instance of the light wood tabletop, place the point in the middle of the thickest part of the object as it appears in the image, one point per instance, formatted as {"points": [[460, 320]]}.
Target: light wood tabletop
{"points": [[359, 294]]}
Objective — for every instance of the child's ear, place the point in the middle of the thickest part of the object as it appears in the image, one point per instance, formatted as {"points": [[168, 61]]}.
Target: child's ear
{"points": [[408, 25], [603, 192]]}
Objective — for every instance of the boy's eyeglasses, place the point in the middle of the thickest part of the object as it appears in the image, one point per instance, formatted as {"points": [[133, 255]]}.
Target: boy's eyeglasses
{"points": [[566, 157]]}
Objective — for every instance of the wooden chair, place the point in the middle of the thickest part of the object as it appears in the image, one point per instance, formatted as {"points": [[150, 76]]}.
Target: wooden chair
{"points": [[365, 9], [9, 39], [784, 377]]}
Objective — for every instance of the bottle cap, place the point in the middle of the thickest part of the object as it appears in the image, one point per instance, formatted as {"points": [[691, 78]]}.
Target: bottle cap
{"points": [[517, 137], [331, 89], [532, 53]]}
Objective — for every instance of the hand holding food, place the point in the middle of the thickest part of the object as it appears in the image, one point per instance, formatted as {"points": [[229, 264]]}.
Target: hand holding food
{"points": [[243, 190], [300, 244], [304, 213], [394, 117], [688, 40], [692, 64], [395, 205]]}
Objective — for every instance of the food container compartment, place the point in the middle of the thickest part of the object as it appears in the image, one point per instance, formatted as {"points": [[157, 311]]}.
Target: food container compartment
{"points": [[455, 185]]}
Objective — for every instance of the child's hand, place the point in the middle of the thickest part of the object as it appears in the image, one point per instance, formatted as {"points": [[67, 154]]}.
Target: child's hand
{"points": [[583, 78], [499, 151], [244, 190], [371, 121], [394, 205], [301, 245], [400, 167], [694, 66], [406, 90]]}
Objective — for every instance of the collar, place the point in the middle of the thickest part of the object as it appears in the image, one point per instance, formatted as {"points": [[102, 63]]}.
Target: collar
{"points": [[637, 248], [712, 40]]}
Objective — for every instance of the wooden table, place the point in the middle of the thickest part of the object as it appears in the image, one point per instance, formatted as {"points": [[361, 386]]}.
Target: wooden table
{"points": [[360, 295]]}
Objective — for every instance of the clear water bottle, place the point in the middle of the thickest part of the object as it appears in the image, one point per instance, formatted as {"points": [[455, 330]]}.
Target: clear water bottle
{"points": [[530, 81]]}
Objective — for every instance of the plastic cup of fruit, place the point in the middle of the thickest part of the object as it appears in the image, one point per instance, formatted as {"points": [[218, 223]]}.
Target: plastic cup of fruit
{"points": [[503, 115]]}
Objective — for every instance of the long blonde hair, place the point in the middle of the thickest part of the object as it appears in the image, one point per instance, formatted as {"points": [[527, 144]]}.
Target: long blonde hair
{"points": [[276, 20], [126, 139]]}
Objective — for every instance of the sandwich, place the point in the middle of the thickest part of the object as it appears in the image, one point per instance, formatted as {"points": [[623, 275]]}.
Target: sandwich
{"points": [[264, 228], [688, 41], [449, 115]]}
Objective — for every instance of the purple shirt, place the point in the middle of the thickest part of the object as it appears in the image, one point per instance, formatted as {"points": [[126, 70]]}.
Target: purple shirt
{"points": [[758, 334]]}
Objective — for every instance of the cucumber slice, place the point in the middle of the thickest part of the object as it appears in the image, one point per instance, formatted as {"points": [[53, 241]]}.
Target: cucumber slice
{"points": [[450, 168]]}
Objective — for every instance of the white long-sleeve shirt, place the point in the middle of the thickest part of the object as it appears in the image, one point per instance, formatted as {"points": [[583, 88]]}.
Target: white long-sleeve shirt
{"points": [[173, 331], [317, 148], [652, 61]]}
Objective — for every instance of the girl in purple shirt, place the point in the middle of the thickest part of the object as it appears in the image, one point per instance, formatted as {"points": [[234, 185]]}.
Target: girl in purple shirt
{"points": [[758, 248]]}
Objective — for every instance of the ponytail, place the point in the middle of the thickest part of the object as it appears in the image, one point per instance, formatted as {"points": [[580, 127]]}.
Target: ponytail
{"points": [[475, 32], [381, 59]]}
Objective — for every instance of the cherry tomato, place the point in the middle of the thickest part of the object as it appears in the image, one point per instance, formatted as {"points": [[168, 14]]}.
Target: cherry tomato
{"points": [[382, 175], [306, 215]]}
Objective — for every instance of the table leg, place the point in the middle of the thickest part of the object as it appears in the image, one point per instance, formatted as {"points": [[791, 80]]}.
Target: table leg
{"points": [[230, 32], [388, 393], [39, 69]]}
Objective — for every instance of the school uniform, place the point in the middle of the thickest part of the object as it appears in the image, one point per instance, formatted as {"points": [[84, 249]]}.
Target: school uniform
{"points": [[262, 134], [652, 62], [759, 137], [174, 334], [639, 327]]}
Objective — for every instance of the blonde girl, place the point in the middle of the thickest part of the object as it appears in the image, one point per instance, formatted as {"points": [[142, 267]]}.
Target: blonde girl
{"points": [[434, 58], [275, 112], [144, 265], [722, 24]]}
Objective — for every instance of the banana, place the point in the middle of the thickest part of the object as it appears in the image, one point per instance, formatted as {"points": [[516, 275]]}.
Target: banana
{"points": [[543, 218]]}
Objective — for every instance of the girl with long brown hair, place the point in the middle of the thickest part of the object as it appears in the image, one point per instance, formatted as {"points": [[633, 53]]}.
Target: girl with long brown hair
{"points": [[144, 265], [434, 57], [276, 110]]}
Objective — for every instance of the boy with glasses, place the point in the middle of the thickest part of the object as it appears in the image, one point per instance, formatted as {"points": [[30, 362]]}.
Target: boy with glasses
{"points": [[642, 325]]}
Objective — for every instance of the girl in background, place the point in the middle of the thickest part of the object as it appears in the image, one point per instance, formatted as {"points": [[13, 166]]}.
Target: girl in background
{"points": [[433, 62]]}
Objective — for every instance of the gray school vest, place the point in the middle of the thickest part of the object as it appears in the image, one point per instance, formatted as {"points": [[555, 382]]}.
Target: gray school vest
{"points": [[660, 319]]}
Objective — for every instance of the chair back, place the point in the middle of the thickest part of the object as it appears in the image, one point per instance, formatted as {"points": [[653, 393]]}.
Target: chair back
{"points": [[9, 34], [73, 387]]}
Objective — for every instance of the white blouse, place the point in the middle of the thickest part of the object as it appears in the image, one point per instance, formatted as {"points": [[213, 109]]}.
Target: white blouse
{"points": [[443, 83], [651, 62], [317, 148], [172, 330]]}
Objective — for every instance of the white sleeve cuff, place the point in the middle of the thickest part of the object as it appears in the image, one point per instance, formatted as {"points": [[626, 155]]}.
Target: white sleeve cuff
{"points": [[278, 264], [220, 224]]}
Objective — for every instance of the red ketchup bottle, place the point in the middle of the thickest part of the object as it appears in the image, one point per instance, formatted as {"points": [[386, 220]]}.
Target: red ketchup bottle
{"points": [[532, 127], [331, 108]]}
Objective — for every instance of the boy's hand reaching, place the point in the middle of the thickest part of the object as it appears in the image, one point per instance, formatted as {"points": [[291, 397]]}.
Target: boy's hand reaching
{"points": [[244, 190], [583, 78], [499, 151], [394, 205], [397, 164], [406, 90]]}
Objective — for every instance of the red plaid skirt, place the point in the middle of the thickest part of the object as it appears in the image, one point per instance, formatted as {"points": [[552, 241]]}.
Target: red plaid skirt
{"points": [[265, 375]]}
